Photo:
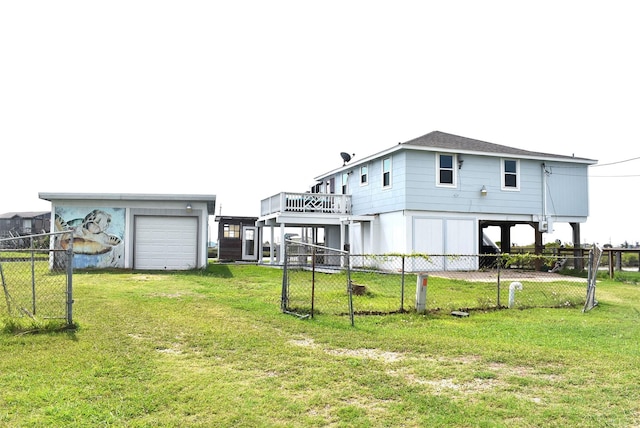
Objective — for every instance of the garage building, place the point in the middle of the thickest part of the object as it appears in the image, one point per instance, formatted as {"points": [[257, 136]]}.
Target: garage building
{"points": [[133, 231]]}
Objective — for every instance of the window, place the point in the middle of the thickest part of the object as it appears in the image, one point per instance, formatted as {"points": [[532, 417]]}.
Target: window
{"points": [[330, 187], [446, 171], [386, 172], [345, 183], [231, 231], [510, 170], [249, 238], [364, 175]]}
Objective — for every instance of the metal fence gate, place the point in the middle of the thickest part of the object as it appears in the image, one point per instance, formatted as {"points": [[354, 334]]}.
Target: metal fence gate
{"points": [[320, 280], [36, 280]]}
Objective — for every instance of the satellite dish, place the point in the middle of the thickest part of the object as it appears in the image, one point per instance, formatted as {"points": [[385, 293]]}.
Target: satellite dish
{"points": [[345, 157]]}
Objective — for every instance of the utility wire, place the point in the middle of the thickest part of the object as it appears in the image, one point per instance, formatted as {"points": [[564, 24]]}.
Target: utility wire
{"points": [[615, 163], [614, 176]]}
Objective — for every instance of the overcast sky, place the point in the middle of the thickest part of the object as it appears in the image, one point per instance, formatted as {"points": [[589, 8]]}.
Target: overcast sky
{"points": [[246, 99]]}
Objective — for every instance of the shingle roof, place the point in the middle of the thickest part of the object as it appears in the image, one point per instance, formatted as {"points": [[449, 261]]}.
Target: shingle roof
{"points": [[24, 214], [455, 143]]}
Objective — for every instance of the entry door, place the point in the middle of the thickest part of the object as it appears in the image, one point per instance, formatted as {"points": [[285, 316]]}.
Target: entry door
{"points": [[250, 243]]}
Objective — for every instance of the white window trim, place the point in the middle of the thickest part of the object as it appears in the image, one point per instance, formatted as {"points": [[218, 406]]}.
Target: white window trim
{"points": [[344, 186], [454, 166], [366, 183], [390, 172], [502, 174]]}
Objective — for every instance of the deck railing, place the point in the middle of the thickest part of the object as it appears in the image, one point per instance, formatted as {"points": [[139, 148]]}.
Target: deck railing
{"points": [[325, 203]]}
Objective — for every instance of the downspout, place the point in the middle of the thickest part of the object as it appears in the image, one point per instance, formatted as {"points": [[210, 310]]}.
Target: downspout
{"points": [[544, 192]]}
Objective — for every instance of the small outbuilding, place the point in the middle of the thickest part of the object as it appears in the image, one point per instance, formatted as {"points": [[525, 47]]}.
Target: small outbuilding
{"points": [[238, 238], [133, 231]]}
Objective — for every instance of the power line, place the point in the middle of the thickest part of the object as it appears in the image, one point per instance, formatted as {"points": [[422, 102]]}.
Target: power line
{"points": [[614, 176], [615, 163]]}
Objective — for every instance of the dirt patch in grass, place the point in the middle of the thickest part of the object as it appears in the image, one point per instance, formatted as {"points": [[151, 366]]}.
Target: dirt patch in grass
{"points": [[487, 376], [372, 354]]}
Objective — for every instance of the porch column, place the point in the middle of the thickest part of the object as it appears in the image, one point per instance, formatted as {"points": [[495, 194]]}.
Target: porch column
{"points": [[272, 245], [537, 241], [577, 249], [283, 245], [505, 238], [373, 249], [538, 248], [342, 242]]}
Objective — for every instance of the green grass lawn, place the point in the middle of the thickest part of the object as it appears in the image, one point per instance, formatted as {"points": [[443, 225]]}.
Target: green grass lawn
{"points": [[213, 350]]}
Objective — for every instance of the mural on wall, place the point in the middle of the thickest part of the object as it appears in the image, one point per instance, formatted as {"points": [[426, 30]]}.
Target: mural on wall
{"points": [[97, 235]]}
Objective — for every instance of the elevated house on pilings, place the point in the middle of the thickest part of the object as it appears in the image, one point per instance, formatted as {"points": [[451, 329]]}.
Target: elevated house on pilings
{"points": [[435, 194]]}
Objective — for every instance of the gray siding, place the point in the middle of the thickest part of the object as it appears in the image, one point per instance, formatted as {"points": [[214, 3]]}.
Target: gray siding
{"points": [[373, 198], [568, 189], [414, 187]]}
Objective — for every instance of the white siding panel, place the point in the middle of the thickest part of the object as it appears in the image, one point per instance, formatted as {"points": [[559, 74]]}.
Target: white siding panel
{"points": [[461, 240], [165, 243], [461, 237], [428, 239], [391, 230]]}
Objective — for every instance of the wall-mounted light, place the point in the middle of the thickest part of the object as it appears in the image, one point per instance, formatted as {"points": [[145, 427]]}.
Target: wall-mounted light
{"points": [[460, 162], [483, 191], [189, 207]]}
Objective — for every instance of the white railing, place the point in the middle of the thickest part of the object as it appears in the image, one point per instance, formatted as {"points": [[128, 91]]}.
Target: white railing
{"points": [[325, 203]]}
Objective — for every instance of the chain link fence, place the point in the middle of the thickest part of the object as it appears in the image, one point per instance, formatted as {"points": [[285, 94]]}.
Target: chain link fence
{"points": [[320, 280], [36, 280]]}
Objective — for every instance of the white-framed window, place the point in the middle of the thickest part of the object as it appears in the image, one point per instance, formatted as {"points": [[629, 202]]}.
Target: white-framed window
{"points": [[386, 172], [510, 174], [446, 167], [345, 183], [231, 231], [364, 175]]}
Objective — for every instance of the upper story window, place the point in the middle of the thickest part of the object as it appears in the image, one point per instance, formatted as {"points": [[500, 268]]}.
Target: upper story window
{"points": [[345, 183], [330, 185], [386, 172], [231, 231], [364, 175], [446, 170], [510, 174]]}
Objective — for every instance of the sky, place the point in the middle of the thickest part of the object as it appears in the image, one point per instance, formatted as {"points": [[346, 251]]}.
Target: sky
{"points": [[247, 99]]}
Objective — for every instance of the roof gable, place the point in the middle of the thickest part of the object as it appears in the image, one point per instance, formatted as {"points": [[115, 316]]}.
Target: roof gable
{"points": [[455, 143], [441, 141]]}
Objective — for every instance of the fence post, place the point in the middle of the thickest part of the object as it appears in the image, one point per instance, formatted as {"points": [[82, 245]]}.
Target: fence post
{"points": [[350, 288], [70, 282], [313, 279], [6, 292], [284, 298], [402, 287], [33, 277], [499, 267]]}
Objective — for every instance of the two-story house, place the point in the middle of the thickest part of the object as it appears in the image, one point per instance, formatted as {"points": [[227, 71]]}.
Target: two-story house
{"points": [[15, 224], [435, 194]]}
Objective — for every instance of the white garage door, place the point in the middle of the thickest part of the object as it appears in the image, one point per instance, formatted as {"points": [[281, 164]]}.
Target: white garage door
{"points": [[165, 242]]}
